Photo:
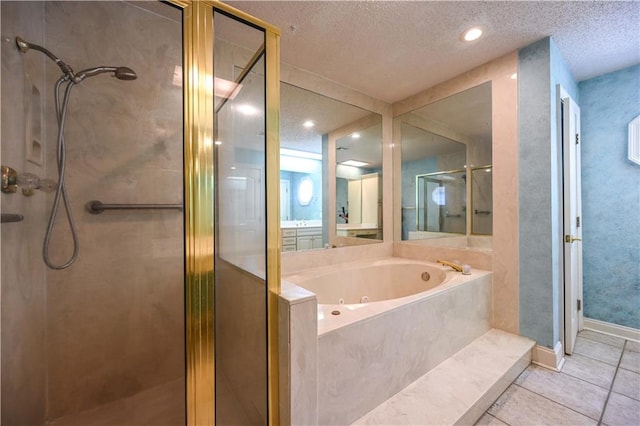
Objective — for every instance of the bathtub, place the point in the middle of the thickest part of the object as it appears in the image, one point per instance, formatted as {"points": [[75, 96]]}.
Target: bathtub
{"points": [[367, 352]]}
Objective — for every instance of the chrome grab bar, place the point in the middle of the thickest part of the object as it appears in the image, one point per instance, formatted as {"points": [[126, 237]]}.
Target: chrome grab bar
{"points": [[97, 207], [7, 217]]}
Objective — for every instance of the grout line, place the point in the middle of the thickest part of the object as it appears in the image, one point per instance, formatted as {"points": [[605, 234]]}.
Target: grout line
{"points": [[587, 381], [556, 402], [605, 343], [606, 402]]}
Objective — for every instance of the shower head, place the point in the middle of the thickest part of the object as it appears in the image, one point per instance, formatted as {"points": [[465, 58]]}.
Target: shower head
{"points": [[121, 73], [125, 73], [24, 46]]}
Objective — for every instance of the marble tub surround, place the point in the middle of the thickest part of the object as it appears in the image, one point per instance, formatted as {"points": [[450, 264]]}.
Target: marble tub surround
{"points": [[459, 390], [441, 239], [300, 261], [362, 364], [423, 250], [298, 313], [593, 388], [445, 279]]}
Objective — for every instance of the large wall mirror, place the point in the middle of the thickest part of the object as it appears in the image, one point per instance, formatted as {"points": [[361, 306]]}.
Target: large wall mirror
{"points": [[446, 166], [330, 164]]}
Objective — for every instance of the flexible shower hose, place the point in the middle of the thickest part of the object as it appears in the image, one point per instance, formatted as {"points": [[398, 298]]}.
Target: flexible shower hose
{"points": [[61, 191]]}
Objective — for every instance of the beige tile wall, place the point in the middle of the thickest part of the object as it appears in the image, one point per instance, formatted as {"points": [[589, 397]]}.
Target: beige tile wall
{"points": [[115, 318], [23, 291]]}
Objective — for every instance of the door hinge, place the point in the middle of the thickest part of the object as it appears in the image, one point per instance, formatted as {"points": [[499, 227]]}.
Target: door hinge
{"points": [[578, 222], [579, 305], [577, 138]]}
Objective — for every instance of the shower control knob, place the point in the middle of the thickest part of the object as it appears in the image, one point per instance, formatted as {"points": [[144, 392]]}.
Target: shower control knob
{"points": [[48, 185], [28, 182]]}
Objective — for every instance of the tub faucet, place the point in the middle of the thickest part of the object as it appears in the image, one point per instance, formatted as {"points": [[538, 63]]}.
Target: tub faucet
{"points": [[451, 264]]}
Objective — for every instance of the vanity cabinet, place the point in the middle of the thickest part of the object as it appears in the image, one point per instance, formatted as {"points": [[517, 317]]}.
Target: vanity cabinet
{"points": [[365, 200], [295, 239], [309, 238]]}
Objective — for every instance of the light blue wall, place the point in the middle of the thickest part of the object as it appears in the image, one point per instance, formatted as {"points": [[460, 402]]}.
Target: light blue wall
{"points": [[540, 69], [610, 198], [314, 209]]}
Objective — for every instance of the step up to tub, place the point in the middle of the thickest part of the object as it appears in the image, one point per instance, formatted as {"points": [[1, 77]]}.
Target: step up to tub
{"points": [[461, 389]]}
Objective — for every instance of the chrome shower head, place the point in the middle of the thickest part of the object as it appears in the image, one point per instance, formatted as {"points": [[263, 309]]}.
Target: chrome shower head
{"points": [[121, 73], [24, 46], [125, 73]]}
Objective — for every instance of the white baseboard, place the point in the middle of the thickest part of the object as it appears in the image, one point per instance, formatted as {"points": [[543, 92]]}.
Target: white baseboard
{"points": [[612, 329], [552, 359]]}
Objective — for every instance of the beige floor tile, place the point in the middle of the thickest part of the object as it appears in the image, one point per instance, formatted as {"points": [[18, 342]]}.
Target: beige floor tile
{"points": [[489, 420], [622, 411], [630, 361], [596, 350], [627, 383], [583, 397], [589, 369], [602, 338], [519, 406], [632, 346]]}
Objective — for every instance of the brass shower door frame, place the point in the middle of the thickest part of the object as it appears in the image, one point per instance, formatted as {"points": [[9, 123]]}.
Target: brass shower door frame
{"points": [[198, 45]]}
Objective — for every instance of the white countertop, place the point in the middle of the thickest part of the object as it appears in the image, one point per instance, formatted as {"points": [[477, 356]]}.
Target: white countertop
{"points": [[301, 223]]}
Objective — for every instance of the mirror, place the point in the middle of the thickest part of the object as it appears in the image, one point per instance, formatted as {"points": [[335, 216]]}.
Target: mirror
{"points": [[446, 166], [319, 203]]}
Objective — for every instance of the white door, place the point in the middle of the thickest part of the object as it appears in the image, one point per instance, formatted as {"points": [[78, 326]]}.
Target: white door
{"points": [[572, 215], [285, 199]]}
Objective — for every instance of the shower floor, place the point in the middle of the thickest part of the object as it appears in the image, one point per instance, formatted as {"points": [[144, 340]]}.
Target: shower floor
{"points": [[159, 406]]}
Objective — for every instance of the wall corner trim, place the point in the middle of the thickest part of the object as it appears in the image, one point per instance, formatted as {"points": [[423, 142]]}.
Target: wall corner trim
{"points": [[553, 359], [621, 331]]}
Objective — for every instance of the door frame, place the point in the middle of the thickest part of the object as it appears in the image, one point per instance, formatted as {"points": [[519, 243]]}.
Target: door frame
{"points": [[198, 44], [569, 130]]}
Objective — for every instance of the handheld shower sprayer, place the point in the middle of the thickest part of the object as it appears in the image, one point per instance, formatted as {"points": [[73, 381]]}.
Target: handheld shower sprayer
{"points": [[121, 73], [72, 79]]}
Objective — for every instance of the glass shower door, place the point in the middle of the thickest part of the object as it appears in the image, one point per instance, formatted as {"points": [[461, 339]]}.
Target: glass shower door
{"points": [[240, 162]]}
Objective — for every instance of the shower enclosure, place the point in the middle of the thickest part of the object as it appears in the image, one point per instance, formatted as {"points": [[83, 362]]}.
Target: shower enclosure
{"points": [[125, 333], [101, 341]]}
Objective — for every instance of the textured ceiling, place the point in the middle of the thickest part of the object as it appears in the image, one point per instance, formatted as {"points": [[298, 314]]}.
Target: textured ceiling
{"points": [[390, 50]]}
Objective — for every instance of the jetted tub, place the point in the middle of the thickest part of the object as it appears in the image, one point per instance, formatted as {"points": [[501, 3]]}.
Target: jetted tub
{"points": [[367, 352]]}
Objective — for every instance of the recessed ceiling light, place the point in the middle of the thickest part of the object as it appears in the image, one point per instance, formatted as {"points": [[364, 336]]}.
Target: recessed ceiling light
{"points": [[472, 34], [308, 124], [355, 135], [514, 75], [354, 163]]}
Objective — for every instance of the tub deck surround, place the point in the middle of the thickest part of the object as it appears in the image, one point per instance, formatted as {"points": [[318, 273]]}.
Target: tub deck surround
{"points": [[371, 351], [403, 273], [477, 257], [459, 390]]}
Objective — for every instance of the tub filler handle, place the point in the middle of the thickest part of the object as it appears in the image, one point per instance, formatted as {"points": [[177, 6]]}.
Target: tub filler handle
{"points": [[451, 264]]}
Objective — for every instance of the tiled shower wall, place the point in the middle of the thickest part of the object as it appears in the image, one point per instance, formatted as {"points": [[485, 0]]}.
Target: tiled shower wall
{"points": [[23, 272], [114, 319], [610, 198]]}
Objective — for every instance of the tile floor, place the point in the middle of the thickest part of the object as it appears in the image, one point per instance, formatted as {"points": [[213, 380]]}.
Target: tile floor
{"points": [[598, 385]]}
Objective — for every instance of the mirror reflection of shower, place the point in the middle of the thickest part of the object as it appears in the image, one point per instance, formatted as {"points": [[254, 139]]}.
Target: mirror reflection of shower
{"points": [[71, 78]]}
